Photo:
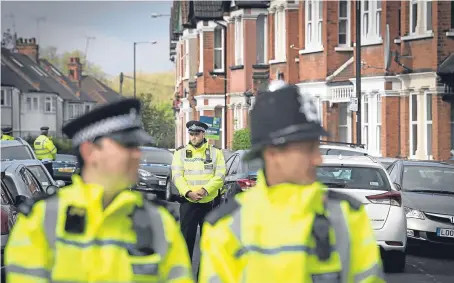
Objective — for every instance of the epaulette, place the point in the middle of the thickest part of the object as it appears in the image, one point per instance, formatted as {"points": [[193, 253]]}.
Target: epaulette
{"points": [[225, 209], [181, 147], [354, 203]]}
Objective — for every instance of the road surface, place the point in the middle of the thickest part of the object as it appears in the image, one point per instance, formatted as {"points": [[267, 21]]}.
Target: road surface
{"points": [[425, 264]]}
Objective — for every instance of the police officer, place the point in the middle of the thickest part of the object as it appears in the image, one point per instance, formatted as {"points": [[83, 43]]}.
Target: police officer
{"points": [[96, 230], [7, 134], [288, 228], [198, 171], [45, 149]]}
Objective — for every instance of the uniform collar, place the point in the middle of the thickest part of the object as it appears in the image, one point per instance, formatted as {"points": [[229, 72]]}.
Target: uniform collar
{"points": [[287, 195], [203, 147]]}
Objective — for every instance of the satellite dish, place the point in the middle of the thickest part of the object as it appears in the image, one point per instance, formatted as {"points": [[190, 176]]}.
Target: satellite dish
{"points": [[387, 56]]}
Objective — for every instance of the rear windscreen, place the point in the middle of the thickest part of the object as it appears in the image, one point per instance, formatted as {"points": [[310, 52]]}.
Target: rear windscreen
{"points": [[336, 151], [15, 153], [353, 177]]}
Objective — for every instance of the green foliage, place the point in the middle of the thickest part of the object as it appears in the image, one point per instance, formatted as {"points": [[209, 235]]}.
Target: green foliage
{"points": [[63, 145], [158, 121], [242, 139]]}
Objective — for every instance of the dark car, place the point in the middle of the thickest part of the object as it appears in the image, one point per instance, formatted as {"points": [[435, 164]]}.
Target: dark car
{"points": [[64, 167], [240, 175], [155, 173], [428, 196]]}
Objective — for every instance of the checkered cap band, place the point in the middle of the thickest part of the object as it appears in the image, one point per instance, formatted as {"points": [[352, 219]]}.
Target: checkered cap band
{"points": [[194, 127], [106, 126]]}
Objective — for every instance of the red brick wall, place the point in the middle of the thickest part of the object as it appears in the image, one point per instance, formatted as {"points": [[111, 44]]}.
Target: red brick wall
{"points": [[441, 128], [390, 126]]}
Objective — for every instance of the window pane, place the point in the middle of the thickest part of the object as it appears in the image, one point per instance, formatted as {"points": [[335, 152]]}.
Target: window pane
{"points": [[429, 15], [260, 39], [378, 4], [217, 38], [343, 9], [217, 59], [320, 10], [379, 112], [414, 18], [309, 11], [354, 177], [343, 134], [414, 107], [429, 106], [366, 112], [414, 135], [365, 24], [342, 27], [366, 5], [378, 138], [429, 139], [366, 136], [343, 114], [342, 39]]}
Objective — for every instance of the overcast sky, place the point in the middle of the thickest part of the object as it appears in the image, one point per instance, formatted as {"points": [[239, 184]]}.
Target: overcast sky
{"points": [[115, 25]]}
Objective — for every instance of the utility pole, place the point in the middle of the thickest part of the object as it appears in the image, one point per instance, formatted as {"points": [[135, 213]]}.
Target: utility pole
{"points": [[86, 49], [38, 20], [358, 70]]}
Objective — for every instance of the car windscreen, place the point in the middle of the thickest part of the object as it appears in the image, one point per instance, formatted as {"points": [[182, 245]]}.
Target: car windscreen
{"points": [[428, 178], [66, 158], [157, 157], [19, 152], [39, 173], [354, 177], [336, 151]]}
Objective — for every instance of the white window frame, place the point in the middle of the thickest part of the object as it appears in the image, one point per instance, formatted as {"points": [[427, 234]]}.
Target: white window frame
{"points": [[421, 26], [452, 126], [35, 103], [314, 38], [186, 59], [413, 134], [279, 35], [201, 52], [365, 120], [239, 40], [347, 19], [221, 49], [428, 136], [265, 40], [76, 111], [370, 32], [378, 123], [6, 97], [48, 100]]}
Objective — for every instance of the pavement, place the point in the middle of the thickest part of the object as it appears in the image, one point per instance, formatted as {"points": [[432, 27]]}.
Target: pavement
{"points": [[425, 263]]}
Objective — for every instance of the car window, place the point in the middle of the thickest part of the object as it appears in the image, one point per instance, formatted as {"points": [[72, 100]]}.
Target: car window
{"points": [[20, 152], [235, 165], [30, 182], [428, 178], [336, 151], [354, 177], [231, 163], [157, 157], [39, 173], [6, 200], [394, 172]]}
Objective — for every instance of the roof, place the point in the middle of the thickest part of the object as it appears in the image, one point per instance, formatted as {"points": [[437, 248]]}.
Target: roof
{"points": [[344, 73], [99, 91], [351, 161], [447, 66], [206, 10], [10, 78], [228, 5]]}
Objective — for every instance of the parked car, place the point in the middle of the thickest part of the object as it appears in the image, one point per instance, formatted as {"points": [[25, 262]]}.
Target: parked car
{"points": [[64, 167], [17, 149], [227, 153], [155, 173], [428, 194], [240, 175], [342, 148], [365, 179], [40, 172], [386, 161]]}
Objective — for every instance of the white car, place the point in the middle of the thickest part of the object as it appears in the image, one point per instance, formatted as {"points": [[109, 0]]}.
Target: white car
{"points": [[341, 148], [365, 179]]}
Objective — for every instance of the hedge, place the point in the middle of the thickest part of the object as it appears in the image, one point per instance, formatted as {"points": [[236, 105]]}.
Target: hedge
{"points": [[242, 139], [63, 145]]}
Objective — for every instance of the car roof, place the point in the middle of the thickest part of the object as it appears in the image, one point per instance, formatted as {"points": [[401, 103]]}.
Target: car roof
{"points": [[26, 162], [10, 165], [428, 163], [346, 148], [9, 143], [350, 160], [150, 148]]}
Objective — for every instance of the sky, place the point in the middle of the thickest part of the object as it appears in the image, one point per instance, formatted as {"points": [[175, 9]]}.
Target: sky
{"points": [[115, 25]]}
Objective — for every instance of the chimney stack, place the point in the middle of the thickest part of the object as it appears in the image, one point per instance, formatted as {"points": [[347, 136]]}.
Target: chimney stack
{"points": [[29, 47], [75, 70]]}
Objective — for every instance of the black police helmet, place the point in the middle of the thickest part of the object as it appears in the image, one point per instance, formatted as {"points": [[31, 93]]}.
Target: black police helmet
{"points": [[283, 115]]}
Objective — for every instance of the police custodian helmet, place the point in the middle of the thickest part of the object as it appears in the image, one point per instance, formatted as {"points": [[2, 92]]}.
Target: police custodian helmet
{"points": [[282, 115], [119, 120]]}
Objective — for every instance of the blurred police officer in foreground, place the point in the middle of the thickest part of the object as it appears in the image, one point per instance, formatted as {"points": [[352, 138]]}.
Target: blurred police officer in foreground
{"points": [[7, 134], [288, 228], [198, 171], [96, 230], [45, 149]]}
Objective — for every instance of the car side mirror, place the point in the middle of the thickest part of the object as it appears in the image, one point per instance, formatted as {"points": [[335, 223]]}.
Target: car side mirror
{"points": [[60, 183], [19, 200], [398, 187], [51, 190]]}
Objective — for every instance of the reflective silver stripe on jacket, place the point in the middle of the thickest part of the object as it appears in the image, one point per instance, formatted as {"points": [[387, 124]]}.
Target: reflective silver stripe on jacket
{"points": [[50, 220], [158, 240]]}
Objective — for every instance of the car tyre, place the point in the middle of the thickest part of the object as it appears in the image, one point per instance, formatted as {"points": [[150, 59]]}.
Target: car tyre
{"points": [[394, 261]]}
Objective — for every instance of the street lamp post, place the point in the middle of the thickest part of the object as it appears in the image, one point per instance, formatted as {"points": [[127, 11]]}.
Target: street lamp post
{"points": [[134, 76]]}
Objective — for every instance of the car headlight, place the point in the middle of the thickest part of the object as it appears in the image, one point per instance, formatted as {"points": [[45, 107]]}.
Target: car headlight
{"points": [[144, 173], [414, 213]]}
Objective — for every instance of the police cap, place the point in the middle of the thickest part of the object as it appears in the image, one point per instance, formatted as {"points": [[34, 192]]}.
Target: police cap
{"points": [[283, 115], [119, 120], [7, 130], [44, 128], [196, 126]]}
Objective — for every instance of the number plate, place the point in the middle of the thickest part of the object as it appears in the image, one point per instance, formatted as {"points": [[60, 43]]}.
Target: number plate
{"points": [[66, 170], [162, 183], [447, 233]]}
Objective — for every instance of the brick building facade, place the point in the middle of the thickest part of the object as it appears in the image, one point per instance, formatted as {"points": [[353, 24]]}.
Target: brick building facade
{"points": [[311, 44]]}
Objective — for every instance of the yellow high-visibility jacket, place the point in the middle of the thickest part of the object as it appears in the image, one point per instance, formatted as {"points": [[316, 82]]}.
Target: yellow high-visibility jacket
{"points": [[7, 138], [99, 245], [192, 170], [44, 148], [266, 235]]}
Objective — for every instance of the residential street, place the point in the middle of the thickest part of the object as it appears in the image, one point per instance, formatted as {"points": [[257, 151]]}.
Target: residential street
{"points": [[431, 264]]}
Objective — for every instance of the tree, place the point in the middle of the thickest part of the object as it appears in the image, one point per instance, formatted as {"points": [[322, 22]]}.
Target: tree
{"points": [[61, 62], [158, 121], [242, 139]]}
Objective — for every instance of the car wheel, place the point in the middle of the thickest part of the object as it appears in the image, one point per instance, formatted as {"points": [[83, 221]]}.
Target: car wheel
{"points": [[168, 192], [394, 261]]}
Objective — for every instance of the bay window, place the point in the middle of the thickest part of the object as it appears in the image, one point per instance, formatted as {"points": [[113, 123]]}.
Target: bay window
{"points": [[239, 41], [344, 23], [49, 104], [261, 43], [219, 49], [314, 24], [371, 12], [418, 26]]}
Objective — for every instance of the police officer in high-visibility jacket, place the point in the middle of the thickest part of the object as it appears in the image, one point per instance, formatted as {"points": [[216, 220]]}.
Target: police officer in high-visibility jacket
{"points": [[45, 149], [198, 171], [288, 228], [7, 134], [97, 230]]}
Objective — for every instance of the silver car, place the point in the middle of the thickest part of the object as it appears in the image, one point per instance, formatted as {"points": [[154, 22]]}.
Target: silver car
{"points": [[365, 179]]}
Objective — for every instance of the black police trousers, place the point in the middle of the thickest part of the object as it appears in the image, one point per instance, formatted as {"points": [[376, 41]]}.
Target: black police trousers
{"points": [[192, 216], [49, 168]]}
